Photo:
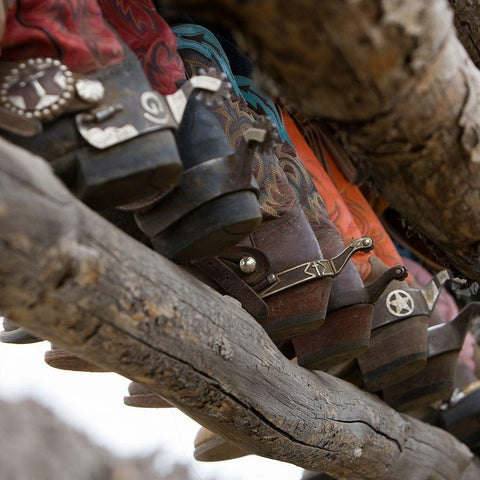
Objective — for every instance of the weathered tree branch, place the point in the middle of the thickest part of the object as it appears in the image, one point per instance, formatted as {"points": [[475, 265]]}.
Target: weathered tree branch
{"points": [[466, 19], [71, 277], [398, 86]]}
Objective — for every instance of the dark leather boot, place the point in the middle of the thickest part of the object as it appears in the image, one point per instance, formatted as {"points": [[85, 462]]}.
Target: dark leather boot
{"points": [[107, 135], [292, 281], [436, 381]]}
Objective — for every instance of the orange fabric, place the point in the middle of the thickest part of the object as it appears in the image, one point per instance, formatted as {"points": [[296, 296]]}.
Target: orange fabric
{"points": [[346, 205]]}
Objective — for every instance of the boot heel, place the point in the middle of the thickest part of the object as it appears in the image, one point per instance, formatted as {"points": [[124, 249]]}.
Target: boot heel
{"points": [[142, 397], [396, 352], [346, 331], [59, 358], [214, 205], [398, 347], [436, 381]]}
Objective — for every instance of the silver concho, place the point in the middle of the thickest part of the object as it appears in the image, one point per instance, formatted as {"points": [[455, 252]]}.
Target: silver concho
{"points": [[90, 91], [40, 88], [248, 264], [400, 303]]}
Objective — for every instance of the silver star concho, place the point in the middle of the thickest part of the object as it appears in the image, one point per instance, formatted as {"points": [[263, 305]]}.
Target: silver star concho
{"points": [[40, 88], [400, 303]]}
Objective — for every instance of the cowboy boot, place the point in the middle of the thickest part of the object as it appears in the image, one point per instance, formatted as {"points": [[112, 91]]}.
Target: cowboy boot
{"points": [[271, 274], [83, 86], [346, 331], [390, 358]]}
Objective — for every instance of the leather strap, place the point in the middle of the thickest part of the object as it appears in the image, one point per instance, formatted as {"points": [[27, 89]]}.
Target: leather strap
{"points": [[198, 185], [450, 336], [400, 304], [317, 268], [232, 285]]}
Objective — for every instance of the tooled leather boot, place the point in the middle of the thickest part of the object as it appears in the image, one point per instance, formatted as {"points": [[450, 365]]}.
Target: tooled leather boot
{"points": [[346, 331], [294, 281]]}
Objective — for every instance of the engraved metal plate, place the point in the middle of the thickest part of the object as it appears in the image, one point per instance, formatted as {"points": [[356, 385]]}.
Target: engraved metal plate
{"points": [[131, 117], [40, 88], [400, 303]]}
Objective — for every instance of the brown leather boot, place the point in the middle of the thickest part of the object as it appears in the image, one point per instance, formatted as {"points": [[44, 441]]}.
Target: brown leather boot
{"points": [[346, 331], [286, 289], [398, 346]]}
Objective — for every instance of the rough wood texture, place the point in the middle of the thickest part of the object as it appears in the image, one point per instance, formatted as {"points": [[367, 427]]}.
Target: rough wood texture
{"points": [[467, 15], [398, 86], [69, 276]]}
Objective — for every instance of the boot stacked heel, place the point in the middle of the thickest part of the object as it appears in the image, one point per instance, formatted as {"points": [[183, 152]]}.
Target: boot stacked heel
{"points": [[436, 381]]}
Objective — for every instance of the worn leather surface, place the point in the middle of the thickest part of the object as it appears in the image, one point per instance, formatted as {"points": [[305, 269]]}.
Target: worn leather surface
{"points": [[61, 144], [285, 237]]}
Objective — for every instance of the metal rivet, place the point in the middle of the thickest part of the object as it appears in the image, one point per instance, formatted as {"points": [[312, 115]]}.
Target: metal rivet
{"points": [[248, 264], [367, 241]]}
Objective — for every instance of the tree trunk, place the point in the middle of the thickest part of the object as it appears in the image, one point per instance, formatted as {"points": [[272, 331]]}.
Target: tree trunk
{"points": [[399, 88], [69, 276]]}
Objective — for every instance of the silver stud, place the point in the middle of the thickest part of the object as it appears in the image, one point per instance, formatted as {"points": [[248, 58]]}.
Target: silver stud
{"points": [[31, 61], [57, 63], [367, 241], [39, 60], [49, 60], [248, 264], [29, 114]]}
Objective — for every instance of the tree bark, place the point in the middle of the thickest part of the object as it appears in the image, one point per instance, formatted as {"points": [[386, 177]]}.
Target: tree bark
{"points": [[399, 88], [69, 276], [466, 20]]}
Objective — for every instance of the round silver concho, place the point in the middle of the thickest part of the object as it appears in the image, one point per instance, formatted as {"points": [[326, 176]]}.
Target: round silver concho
{"points": [[40, 88], [400, 303], [248, 264]]}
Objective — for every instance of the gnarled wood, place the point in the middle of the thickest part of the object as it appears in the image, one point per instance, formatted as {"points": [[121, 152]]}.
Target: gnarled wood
{"points": [[71, 277], [398, 86]]}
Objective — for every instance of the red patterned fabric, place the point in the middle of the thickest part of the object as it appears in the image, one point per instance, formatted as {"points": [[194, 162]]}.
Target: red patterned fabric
{"points": [[72, 31], [149, 36]]}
